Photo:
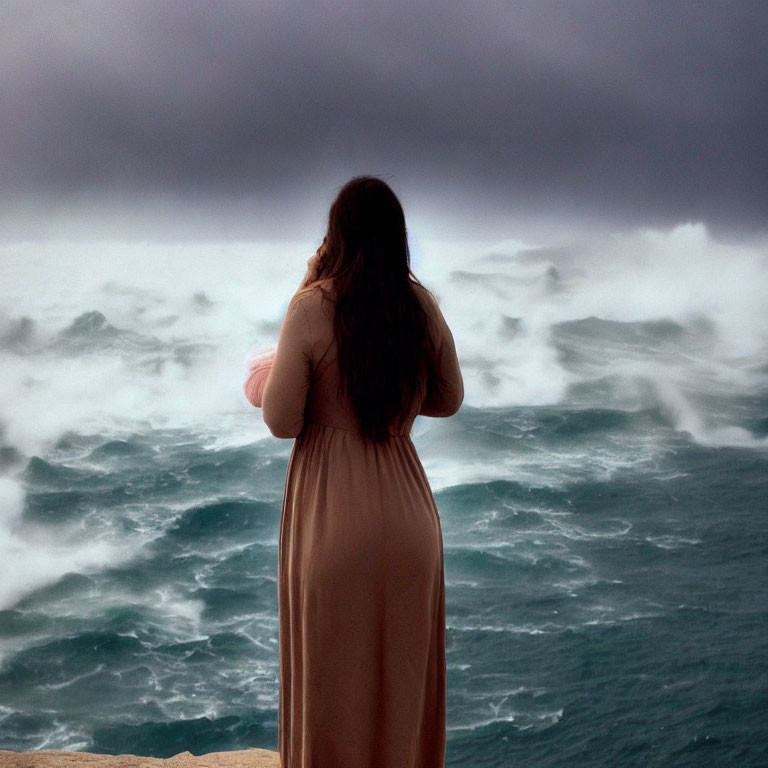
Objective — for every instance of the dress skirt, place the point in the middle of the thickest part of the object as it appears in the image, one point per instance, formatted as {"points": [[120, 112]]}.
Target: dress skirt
{"points": [[361, 606]]}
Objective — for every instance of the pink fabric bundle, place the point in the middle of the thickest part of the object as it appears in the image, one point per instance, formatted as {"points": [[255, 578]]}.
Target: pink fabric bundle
{"points": [[259, 366]]}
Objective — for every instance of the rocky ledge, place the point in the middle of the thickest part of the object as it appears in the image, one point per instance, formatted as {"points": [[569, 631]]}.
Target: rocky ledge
{"points": [[241, 758]]}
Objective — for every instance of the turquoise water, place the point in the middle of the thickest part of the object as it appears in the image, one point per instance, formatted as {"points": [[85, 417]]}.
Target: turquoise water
{"points": [[605, 551]]}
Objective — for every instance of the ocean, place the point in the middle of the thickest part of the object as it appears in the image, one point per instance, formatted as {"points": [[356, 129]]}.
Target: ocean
{"points": [[603, 494]]}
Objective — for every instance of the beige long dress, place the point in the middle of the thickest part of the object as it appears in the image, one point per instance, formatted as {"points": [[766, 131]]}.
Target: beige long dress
{"points": [[360, 573]]}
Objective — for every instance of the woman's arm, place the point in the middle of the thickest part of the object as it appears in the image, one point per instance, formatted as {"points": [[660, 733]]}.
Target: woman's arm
{"points": [[286, 387], [445, 390]]}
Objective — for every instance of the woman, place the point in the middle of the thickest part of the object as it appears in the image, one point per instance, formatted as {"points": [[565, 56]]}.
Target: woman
{"points": [[363, 349]]}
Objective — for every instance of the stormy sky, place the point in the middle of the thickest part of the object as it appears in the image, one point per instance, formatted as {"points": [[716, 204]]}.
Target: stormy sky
{"points": [[241, 118]]}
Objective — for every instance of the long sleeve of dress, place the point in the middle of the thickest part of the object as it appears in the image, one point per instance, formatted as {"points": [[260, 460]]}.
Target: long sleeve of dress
{"points": [[286, 387], [445, 389]]}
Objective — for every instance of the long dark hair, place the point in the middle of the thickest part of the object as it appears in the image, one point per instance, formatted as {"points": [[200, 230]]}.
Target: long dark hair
{"points": [[380, 325]]}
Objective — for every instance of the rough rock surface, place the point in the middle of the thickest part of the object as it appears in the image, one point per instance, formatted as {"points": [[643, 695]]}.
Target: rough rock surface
{"points": [[241, 758]]}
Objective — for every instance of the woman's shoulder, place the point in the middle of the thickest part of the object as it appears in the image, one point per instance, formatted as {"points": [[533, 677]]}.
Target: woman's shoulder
{"points": [[427, 299], [315, 298], [320, 296]]}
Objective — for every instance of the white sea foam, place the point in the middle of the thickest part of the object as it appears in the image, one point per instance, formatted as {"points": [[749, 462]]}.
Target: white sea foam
{"points": [[714, 293], [178, 322], [687, 419], [188, 315], [670, 541], [542, 469], [31, 557], [196, 311], [512, 629], [72, 680], [523, 720]]}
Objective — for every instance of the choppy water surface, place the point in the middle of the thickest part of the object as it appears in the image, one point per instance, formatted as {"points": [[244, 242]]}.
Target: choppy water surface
{"points": [[602, 494]]}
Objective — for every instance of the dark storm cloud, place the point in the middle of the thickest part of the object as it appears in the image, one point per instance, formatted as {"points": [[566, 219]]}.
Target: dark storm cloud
{"points": [[644, 112]]}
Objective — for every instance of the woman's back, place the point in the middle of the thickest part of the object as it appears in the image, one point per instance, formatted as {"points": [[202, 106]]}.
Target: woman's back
{"points": [[311, 337]]}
